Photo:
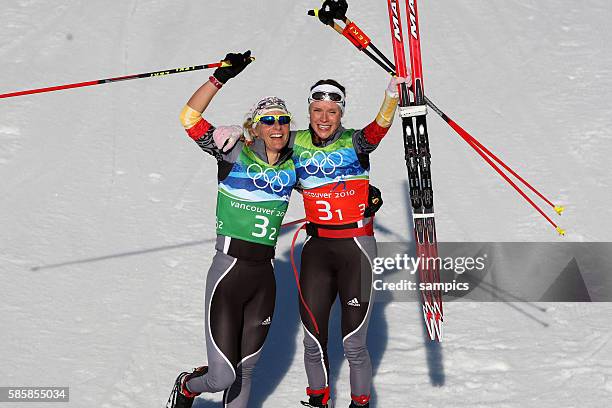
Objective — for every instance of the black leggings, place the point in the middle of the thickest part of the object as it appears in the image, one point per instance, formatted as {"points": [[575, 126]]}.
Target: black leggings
{"points": [[239, 299], [331, 268]]}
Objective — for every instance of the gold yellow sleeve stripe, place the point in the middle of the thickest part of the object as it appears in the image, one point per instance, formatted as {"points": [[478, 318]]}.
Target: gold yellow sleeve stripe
{"points": [[387, 111], [190, 117]]}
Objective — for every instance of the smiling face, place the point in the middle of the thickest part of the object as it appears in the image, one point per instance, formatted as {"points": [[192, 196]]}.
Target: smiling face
{"points": [[325, 117], [275, 136]]}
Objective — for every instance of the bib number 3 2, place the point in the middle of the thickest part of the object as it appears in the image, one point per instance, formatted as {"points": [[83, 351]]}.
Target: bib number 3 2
{"points": [[262, 228]]}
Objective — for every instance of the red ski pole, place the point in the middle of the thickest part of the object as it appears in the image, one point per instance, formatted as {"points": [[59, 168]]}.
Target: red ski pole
{"points": [[117, 79]]}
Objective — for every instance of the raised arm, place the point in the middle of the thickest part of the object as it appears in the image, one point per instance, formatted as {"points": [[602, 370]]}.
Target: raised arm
{"points": [[201, 98], [367, 139], [198, 128]]}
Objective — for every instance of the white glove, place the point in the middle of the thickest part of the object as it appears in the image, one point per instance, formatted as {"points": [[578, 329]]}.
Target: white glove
{"points": [[392, 90], [225, 137]]}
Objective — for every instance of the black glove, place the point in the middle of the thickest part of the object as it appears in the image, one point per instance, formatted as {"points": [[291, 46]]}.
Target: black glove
{"points": [[375, 201], [238, 61], [333, 9]]}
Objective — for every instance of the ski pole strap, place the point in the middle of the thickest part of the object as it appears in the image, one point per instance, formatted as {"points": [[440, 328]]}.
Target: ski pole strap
{"points": [[297, 279]]}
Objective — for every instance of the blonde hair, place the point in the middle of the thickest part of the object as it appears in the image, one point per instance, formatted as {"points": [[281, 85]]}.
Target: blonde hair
{"points": [[248, 128]]}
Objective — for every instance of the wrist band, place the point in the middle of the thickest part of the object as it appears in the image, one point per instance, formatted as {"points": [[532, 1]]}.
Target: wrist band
{"points": [[218, 84]]}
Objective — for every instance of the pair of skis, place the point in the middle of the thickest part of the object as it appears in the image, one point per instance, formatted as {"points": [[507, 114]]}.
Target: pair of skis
{"points": [[413, 111]]}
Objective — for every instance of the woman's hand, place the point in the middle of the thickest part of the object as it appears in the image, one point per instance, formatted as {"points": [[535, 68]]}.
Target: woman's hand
{"points": [[225, 137], [393, 84], [238, 64]]}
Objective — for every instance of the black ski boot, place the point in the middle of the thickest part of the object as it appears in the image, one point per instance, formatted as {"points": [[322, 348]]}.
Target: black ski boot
{"points": [[318, 398], [181, 397]]}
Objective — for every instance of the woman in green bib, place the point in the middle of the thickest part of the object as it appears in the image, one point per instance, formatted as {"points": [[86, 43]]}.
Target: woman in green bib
{"points": [[255, 178]]}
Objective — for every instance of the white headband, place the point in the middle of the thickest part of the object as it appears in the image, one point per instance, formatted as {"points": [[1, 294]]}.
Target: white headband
{"points": [[328, 88]]}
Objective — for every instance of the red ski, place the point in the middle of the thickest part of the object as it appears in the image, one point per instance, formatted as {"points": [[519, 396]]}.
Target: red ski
{"points": [[418, 161]]}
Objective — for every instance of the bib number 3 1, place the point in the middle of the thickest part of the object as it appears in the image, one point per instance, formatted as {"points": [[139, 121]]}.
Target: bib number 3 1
{"points": [[325, 208], [326, 213]]}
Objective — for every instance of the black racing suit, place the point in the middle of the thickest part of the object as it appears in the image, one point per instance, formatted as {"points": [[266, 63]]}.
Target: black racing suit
{"points": [[332, 267], [239, 298]]}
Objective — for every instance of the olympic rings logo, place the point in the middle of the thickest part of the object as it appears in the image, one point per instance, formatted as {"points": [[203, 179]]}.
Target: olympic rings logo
{"points": [[268, 177], [327, 164]]}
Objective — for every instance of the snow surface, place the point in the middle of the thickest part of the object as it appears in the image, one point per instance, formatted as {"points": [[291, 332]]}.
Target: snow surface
{"points": [[107, 210]]}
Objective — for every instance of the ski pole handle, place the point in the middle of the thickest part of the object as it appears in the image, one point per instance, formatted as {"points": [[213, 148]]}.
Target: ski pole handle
{"points": [[224, 63], [315, 13], [331, 10], [325, 17]]}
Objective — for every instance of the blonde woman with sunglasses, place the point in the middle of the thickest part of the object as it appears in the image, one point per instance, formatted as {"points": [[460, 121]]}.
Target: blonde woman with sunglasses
{"points": [[255, 178]]}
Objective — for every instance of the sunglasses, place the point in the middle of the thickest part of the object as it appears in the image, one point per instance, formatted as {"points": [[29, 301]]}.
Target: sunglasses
{"points": [[326, 96], [283, 119]]}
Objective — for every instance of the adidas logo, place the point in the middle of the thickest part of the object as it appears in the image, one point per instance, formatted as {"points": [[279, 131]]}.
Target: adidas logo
{"points": [[267, 321], [353, 302]]}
